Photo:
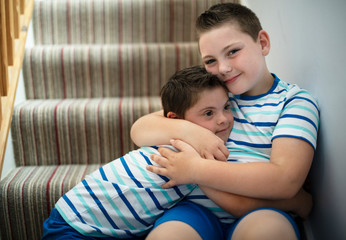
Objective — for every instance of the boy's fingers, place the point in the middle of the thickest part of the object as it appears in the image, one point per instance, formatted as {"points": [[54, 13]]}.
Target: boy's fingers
{"points": [[164, 152], [162, 161], [209, 156], [180, 145], [168, 184], [155, 169], [219, 155], [225, 151]]}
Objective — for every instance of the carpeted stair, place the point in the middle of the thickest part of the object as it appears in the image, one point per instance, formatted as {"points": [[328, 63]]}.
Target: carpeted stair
{"points": [[97, 66]]}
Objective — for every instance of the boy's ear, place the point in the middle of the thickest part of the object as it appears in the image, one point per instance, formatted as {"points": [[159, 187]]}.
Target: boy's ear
{"points": [[172, 115], [263, 38]]}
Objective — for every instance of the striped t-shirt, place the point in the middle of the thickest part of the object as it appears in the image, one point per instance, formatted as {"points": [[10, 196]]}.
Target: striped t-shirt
{"points": [[121, 199], [285, 110]]}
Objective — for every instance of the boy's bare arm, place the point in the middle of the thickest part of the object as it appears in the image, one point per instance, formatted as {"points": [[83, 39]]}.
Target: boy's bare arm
{"points": [[154, 125], [237, 206], [281, 178], [155, 129]]}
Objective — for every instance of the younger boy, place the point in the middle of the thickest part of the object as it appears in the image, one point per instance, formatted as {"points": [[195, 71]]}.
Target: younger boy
{"points": [[122, 199]]}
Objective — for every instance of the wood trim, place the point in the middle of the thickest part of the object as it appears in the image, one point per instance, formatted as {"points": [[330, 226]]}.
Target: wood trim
{"points": [[9, 31], [7, 102], [3, 49]]}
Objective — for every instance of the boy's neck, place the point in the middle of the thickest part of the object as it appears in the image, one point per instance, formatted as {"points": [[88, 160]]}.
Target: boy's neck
{"points": [[263, 86]]}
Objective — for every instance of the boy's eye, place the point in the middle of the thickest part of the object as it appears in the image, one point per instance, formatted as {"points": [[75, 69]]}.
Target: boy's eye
{"points": [[210, 61], [227, 107], [208, 113], [232, 52]]}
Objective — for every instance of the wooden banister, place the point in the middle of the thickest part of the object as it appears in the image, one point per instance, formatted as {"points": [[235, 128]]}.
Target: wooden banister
{"points": [[15, 16]]}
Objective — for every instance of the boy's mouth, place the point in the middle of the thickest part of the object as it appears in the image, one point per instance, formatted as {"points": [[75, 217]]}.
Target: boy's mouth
{"points": [[232, 79], [223, 131]]}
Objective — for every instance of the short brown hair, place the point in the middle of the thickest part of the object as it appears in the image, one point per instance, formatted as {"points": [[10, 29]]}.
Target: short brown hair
{"points": [[232, 13], [182, 90]]}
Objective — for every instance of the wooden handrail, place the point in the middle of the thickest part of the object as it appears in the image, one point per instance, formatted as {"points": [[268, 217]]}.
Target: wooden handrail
{"points": [[15, 16]]}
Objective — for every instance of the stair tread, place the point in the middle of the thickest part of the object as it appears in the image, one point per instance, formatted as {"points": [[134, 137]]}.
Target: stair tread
{"points": [[76, 131], [116, 21], [80, 71], [29, 194]]}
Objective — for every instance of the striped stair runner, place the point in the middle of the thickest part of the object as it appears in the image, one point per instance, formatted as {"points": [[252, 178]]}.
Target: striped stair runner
{"points": [[117, 21], [76, 131], [96, 67], [93, 71]]}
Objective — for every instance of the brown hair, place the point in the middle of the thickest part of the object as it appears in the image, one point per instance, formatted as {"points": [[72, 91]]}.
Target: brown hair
{"points": [[182, 90], [232, 13]]}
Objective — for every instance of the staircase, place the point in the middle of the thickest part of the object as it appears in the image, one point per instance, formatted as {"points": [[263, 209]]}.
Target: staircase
{"points": [[97, 66]]}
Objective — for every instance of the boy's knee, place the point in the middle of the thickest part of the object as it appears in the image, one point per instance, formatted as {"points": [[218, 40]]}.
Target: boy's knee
{"points": [[264, 224], [174, 230]]}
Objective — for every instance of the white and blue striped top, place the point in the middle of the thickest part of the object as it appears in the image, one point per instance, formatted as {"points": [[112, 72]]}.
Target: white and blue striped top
{"points": [[121, 199], [285, 110]]}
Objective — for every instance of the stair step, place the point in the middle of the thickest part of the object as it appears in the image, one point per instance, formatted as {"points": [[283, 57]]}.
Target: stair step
{"points": [[29, 193], [76, 131], [116, 21], [91, 71]]}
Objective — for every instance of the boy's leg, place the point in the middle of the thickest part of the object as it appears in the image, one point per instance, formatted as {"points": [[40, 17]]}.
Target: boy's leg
{"points": [[265, 224], [187, 220], [56, 228], [174, 230]]}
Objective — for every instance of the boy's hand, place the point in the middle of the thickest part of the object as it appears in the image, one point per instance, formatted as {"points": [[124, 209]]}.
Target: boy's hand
{"points": [[215, 150], [178, 166], [304, 204], [208, 145]]}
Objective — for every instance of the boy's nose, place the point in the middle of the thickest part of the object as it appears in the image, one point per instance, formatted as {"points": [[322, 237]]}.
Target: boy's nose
{"points": [[225, 67], [222, 118]]}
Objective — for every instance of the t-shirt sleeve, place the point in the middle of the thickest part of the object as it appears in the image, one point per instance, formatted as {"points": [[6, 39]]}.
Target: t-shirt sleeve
{"points": [[299, 117]]}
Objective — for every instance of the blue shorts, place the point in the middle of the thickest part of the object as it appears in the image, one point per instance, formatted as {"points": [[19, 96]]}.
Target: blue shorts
{"points": [[56, 228], [206, 223]]}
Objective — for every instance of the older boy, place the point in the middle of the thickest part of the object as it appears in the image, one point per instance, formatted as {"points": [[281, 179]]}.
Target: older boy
{"points": [[274, 135]]}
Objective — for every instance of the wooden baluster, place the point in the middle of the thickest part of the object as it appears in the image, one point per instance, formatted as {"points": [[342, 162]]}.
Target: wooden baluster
{"points": [[2, 74], [9, 32], [22, 6], [3, 49], [16, 18]]}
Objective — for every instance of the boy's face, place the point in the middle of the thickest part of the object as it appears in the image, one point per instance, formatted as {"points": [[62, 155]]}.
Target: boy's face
{"points": [[236, 58], [212, 111]]}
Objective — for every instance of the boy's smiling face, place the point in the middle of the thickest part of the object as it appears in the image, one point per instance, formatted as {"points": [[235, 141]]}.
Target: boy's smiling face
{"points": [[236, 58], [212, 111]]}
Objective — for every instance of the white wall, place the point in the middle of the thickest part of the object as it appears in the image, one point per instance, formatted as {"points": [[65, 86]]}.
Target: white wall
{"points": [[308, 48]]}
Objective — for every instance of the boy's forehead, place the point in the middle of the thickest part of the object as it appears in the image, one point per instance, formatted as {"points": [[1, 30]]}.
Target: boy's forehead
{"points": [[224, 34], [230, 25], [210, 93]]}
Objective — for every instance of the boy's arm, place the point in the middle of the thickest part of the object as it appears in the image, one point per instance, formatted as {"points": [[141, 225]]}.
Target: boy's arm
{"points": [[155, 129], [300, 204], [281, 178]]}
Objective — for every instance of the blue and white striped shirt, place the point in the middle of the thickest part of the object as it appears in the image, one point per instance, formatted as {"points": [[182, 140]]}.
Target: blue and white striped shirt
{"points": [[284, 111], [121, 199]]}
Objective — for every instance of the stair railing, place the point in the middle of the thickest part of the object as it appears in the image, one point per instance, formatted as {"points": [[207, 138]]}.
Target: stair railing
{"points": [[15, 16]]}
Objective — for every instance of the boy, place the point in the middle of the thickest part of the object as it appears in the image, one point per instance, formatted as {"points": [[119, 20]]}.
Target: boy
{"points": [[122, 199], [274, 134]]}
